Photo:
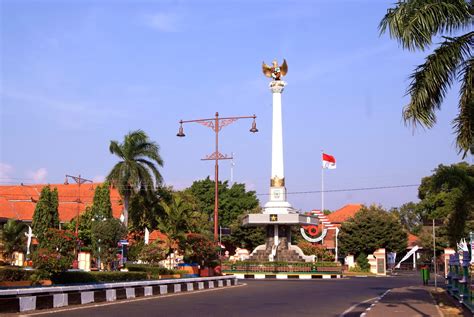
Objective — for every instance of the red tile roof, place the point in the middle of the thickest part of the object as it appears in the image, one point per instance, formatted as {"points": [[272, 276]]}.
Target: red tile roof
{"points": [[345, 213], [413, 241], [19, 202]]}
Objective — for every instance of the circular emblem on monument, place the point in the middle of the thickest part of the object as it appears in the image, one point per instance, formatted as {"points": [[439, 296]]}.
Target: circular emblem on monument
{"points": [[313, 233]]}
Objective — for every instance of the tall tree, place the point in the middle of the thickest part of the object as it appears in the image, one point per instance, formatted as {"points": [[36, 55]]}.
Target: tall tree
{"points": [[101, 205], [100, 210], [138, 168], [372, 228], [410, 216], [233, 201], [145, 208], [414, 23], [448, 195], [46, 213], [105, 236]]}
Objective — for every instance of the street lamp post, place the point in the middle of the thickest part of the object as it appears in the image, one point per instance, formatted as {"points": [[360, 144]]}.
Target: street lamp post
{"points": [[79, 180], [216, 124]]}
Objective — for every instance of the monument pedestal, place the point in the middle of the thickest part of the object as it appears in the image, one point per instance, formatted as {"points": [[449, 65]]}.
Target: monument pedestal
{"points": [[278, 245], [278, 215]]}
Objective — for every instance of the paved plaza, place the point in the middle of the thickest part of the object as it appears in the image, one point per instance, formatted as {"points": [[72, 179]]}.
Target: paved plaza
{"points": [[340, 297]]}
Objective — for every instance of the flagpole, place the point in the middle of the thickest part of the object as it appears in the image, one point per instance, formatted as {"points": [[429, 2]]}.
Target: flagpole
{"points": [[322, 183]]}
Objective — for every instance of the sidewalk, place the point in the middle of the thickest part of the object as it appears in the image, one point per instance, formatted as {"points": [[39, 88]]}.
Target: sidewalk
{"points": [[406, 302]]}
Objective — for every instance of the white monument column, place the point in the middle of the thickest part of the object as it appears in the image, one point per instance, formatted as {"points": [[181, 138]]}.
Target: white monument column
{"points": [[277, 203]]}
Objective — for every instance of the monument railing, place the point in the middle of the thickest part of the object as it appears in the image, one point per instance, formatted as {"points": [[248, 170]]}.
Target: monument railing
{"points": [[282, 267]]}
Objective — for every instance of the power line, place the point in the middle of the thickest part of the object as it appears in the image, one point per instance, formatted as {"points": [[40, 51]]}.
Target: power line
{"points": [[265, 194], [346, 190]]}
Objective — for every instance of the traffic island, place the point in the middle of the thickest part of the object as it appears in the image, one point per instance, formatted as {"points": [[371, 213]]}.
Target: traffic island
{"points": [[283, 270], [36, 298]]}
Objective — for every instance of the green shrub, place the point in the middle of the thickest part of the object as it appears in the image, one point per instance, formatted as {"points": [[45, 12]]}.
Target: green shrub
{"points": [[154, 252], [14, 274], [134, 250], [56, 254], [97, 277], [200, 249], [362, 262], [318, 250], [153, 271]]}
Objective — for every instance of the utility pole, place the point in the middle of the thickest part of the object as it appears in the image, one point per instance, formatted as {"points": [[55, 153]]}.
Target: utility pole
{"points": [[232, 164], [216, 124], [79, 180], [434, 254]]}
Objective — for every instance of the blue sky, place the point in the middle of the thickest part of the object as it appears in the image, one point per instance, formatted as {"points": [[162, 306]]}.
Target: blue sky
{"points": [[77, 74]]}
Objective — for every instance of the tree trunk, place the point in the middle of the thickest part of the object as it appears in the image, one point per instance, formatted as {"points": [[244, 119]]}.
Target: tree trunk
{"points": [[126, 197]]}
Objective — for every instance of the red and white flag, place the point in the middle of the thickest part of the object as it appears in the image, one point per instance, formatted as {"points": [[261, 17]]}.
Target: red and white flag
{"points": [[329, 161]]}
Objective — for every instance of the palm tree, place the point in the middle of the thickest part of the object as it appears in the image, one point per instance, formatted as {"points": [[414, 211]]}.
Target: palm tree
{"points": [[174, 222], [414, 23], [138, 168], [12, 236]]}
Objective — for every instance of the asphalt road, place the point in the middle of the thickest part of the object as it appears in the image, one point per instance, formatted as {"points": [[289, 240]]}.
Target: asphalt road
{"points": [[258, 298]]}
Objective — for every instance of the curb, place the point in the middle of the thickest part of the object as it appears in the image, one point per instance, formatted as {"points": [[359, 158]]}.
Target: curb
{"points": [[440, 312], [287, 276], [55, 297]]}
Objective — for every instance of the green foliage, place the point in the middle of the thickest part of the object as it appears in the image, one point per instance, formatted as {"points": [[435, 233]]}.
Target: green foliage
{"points": [[372, 228], [449, 194], [234, 203], [79, 277], [101, 209], [253, 266], [363, 262], [13, 237], [56, 254], [138, 166], [14, 274], [152, 271], [179, 217], [410, 216], [414, 23], [321, 253], [244, 237], [199, 249], [154, 252], [84, 229], [134, 250], [101, 206], [105, 236], [46, 213], [145, 208]]}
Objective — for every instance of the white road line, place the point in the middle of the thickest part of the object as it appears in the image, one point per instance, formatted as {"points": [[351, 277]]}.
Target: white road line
{"points": [[126, 301], [371, 306], [355, 306], [375, 299]]}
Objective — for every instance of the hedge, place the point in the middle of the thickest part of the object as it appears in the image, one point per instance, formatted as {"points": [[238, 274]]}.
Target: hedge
{"points": [[153, 271], [77, 277], [14, 274], [294, 264]]}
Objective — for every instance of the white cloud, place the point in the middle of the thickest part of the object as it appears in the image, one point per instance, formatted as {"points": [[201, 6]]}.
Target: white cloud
{"points": [[6, 171], [39, 175], [98, 178], [164, 22]]}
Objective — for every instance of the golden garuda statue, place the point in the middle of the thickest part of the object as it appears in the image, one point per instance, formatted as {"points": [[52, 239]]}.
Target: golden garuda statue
{"points": [[275, 71]]}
